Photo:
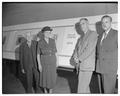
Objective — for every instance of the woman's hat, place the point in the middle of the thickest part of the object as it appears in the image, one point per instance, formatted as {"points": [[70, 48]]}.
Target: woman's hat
{"points": [[46, 28]]}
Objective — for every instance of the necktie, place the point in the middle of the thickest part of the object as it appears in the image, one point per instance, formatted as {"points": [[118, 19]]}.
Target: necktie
{"points": [[104, 36]]}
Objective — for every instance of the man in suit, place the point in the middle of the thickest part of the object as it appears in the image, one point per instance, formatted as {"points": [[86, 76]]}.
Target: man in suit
{"points": [[84, 56], [107, 55], [28, 61]]}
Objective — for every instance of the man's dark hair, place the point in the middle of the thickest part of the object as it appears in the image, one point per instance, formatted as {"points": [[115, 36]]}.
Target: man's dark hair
{"points": [[106, 16]]}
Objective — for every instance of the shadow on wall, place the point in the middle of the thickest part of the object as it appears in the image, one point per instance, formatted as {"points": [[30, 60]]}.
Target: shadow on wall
{"points": [[78, 29], [19, 74], [19, 41], [100, 31], [40, 35], [98, 26]]}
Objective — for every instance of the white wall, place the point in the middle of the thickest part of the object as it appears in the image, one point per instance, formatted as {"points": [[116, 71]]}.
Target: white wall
{"points": [[63, 28]]}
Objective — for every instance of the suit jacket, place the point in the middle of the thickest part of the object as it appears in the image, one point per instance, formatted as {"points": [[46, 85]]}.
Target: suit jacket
{"points": [[28, 59], [107, 53], [86, 51]]}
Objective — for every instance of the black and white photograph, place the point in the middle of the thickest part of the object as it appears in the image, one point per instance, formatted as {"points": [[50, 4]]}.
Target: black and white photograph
{"points": [[60, 47]]}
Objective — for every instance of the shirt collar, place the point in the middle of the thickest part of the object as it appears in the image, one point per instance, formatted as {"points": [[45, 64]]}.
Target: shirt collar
{"points": [[108, 31]]}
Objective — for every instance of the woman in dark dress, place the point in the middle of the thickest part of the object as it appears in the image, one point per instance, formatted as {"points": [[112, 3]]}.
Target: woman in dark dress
{"points": [[46, 57]]}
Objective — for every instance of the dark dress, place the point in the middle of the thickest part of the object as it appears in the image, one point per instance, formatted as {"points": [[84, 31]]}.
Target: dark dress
{"points": [[48, 61]]}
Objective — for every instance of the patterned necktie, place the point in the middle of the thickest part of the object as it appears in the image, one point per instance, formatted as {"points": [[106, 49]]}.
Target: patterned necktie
{"points": [[105, 35], [103, 38]]}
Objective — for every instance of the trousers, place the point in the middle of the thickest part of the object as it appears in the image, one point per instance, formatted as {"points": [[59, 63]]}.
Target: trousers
{"points": [[84, 81], [109, 81], [32, 74]]}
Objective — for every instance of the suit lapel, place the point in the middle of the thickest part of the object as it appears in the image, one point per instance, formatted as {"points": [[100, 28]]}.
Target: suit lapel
{"points": [[32, 50], [85, 40], [99, 41], [86, 36], [109, 35]]}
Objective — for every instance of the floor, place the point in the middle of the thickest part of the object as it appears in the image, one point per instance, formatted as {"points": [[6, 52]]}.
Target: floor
{"points": [[66, 81]]}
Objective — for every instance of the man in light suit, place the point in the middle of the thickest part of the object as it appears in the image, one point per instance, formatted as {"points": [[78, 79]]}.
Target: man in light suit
{"points": [[107, 55], [84, 56]]}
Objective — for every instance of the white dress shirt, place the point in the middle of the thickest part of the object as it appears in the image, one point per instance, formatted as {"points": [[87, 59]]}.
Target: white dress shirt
{"points": [[105, 35]]}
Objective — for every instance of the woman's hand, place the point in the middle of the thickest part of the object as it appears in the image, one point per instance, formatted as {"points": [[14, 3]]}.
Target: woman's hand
{"points": [[23, 71], [77, 67], [40, 68], [39, 63], [76, 60]]}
